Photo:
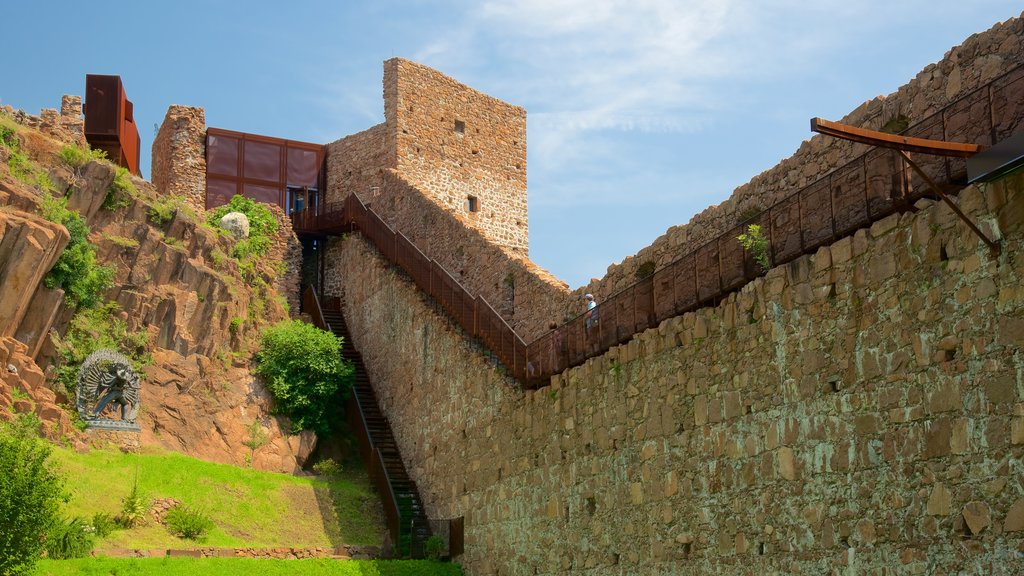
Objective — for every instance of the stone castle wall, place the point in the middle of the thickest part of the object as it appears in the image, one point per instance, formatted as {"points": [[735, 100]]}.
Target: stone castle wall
{"points": [[454, 142], [355, 164], [179, 155], [859, 410], [527, 296], [978, 60]]}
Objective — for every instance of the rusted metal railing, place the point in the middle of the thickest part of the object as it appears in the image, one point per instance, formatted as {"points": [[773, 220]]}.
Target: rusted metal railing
{"points": [[864, 190]]}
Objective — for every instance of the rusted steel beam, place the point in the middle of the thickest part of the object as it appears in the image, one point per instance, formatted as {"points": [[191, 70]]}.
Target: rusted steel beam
{"points": [[894, 141], [993, 247]]}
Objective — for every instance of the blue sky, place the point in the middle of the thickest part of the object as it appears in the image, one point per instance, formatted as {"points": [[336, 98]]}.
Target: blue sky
{"points": [[640, 113]]}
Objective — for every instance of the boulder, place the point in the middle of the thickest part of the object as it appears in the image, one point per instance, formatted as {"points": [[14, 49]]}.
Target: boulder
{"points": [[236, 223]]}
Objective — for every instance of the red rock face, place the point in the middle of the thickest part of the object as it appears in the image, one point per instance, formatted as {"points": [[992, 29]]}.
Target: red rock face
{"points": [[173, 281]]}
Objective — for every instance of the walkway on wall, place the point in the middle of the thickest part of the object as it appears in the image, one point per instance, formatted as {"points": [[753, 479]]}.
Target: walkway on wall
{"points": [[853, 196], [407, 520]]}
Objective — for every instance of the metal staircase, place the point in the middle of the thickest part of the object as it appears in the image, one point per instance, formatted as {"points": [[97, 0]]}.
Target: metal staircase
{"points": [[407, 519]]}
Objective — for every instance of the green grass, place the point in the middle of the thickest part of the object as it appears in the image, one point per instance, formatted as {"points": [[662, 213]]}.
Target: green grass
{"points": [[101, 566], [249, 508]]}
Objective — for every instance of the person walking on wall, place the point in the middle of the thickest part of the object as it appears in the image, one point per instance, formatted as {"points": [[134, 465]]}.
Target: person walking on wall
{"points": [[591, 316]]}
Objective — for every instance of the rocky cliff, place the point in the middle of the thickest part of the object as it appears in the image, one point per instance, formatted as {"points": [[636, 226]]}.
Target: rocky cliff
{"points": [[193, 308]]}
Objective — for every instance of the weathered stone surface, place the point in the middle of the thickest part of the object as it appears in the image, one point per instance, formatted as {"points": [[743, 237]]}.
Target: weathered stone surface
{"points": [[236, 223], [977, 517], [1014, 521]]}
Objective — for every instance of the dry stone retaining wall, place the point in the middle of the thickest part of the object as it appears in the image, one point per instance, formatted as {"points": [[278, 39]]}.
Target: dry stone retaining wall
{"points": [[858, 410]]}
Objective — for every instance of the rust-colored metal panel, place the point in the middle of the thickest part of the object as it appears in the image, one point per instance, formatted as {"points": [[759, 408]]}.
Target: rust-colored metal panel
{"points": [[219, 191], [262, 160], [303, 167], [110, 121], [934, 166], [884, 181], [643, 305], [969, 119], [222, 155], [709, 281], [261, 193], [849, 197], [684, 277], [103, 97], [787, 236], [732, 259], [664, 293], [816, 214]]}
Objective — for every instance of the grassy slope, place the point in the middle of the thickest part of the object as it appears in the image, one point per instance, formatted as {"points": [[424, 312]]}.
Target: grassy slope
{"points": [[250, 508], [233, 566]]}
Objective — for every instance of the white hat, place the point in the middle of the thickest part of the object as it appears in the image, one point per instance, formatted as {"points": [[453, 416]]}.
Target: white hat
{"points": [[589, 296]]}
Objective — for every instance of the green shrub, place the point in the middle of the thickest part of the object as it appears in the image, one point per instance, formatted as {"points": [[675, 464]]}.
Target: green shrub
{"points": [[434, 547], [262, 226], [163, 209], [71, 539], [304, 371], [9, 137], [76, 270], [30, 497], [188, 523], [75, 157], [133, 508], [104, 524], [120, 190], [94, 328], [754, 241], [328, 467]]}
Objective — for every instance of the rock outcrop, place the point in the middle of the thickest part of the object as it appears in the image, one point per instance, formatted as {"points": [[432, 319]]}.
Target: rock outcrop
{"points": [[175, 282]]}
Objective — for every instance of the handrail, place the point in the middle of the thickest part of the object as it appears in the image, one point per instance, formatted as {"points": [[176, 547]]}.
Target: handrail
{"points": [[390, 502], [311, 302], [863, 190]]}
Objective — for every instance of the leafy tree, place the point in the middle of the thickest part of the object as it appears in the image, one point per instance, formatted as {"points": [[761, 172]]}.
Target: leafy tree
{"points": [[30, 497], [304, 371]]}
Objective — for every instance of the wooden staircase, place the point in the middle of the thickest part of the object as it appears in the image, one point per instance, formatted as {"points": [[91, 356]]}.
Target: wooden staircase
{"points": [[409, 527]]}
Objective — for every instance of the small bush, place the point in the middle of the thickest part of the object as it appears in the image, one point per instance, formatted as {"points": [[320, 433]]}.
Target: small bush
{"points": [[434, 547], [235, 325], [133, 508], [754, 241], [76, 270], [304, 371], [72, 539], [31, 493], [262, 226], [8, 137], [74, 157], [328, 467], [188, 523], [104, 524], [120, 191], [163, 209]]}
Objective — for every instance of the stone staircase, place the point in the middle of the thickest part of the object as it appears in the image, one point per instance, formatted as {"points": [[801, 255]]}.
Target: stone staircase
{"points": [[414, 528]]}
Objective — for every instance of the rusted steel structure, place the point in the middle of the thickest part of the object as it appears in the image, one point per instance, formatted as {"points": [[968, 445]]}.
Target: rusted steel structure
{"points": [[904, 145], [110, 121], [852, 196], [288, 173]]}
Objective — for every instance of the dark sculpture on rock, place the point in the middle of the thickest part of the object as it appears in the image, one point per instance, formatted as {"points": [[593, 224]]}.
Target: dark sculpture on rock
{"points": [[107, 383]]}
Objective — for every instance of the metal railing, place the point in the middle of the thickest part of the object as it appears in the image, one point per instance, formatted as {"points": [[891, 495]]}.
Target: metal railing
{"points": [[852, 196]]}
